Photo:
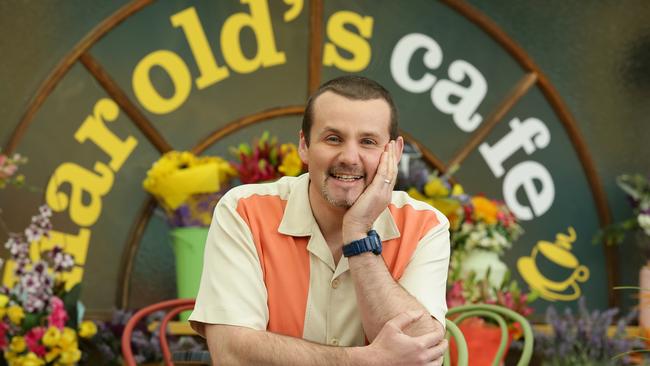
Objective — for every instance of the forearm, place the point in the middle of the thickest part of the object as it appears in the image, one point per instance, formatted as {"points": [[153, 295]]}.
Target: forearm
{"points": [[381, 298], [231, 345]]}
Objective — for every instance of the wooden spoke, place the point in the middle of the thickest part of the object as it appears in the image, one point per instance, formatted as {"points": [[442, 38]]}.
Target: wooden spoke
{"points": [[519, 90], [315, 44], [124, 102], [428, 156]]}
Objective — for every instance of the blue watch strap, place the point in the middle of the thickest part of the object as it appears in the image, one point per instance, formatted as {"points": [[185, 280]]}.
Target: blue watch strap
{"points": [[371, 243]]}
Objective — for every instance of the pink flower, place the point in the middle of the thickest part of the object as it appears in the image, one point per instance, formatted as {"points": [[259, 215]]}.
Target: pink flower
{"points": [[58, 316], [3, 335], [455, 295], [32, 339]]}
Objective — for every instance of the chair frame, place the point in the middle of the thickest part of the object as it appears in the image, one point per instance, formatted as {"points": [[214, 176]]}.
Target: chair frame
{"points": [[497, 313], [175, 307]]}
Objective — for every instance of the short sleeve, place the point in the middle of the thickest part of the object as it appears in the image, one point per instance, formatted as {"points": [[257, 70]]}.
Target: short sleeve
{"points": [[425, 277], [232, 290]]}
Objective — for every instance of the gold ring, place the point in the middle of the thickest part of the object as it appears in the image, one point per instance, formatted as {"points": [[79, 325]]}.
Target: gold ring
{"points": [[387, 181]]}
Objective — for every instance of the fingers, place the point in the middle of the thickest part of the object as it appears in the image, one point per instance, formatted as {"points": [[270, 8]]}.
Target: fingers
{"points": [[386, 175], [403, 320], [436, 352], [428, 340]]}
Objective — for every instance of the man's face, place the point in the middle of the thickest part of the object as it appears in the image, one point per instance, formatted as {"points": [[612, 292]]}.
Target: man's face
{"points": [[346, 142]]}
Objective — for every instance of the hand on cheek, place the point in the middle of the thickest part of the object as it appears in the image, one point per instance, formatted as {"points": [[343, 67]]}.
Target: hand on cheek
{"points": [[374, 199]]}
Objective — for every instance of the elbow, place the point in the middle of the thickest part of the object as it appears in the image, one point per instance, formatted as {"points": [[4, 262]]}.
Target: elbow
{"points": [[223, 345]]}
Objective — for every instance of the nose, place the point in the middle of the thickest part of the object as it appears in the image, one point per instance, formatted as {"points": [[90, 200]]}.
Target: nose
{"points": [[350, 154]]}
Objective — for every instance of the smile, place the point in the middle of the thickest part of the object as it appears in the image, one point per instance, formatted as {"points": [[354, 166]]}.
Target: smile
{"points": [[345, 177]]}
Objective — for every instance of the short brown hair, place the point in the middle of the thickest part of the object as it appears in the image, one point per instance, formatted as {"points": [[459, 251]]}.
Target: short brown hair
{"points": [[354, 88]]}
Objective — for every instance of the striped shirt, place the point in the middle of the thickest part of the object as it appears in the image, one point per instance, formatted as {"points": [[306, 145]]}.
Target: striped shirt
{"points": [[268, 267]]}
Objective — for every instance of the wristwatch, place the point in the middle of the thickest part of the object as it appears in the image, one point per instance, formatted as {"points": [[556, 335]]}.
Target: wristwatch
{"points": [[370, 243]]}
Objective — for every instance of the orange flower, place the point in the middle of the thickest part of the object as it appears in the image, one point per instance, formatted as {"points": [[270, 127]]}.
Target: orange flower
{"points": [[485, 210]]}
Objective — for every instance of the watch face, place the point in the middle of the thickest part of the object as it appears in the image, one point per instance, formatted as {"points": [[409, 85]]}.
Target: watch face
{"points": [[207, 76]]}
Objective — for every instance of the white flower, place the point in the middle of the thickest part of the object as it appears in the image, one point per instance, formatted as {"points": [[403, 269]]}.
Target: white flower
{"points": [[644, 223]]}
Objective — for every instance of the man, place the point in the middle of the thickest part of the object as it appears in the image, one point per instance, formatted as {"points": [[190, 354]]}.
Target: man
{"points": [[292, 272]]}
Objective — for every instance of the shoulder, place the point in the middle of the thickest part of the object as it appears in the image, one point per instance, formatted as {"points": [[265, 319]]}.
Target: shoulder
{"points": [[407, 211]]}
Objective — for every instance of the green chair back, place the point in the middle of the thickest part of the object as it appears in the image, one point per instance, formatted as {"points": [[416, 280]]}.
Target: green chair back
{"points": [[497, 313]]}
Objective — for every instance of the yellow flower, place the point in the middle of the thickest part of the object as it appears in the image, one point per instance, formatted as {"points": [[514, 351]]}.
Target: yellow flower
{"points": [[291, 162], [87, 329], [413, 192], [17, 344], [54, 353], [31, 359], [485, 210], [178, 175], [436, 188], [4, 300], [68, 339], [9, 356], [16, 314], [51, 337], [447, 206], [70, 356], [457, 190]]}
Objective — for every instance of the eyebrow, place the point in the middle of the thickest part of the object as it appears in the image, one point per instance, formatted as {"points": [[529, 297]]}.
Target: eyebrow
{"points": [[327, 129]]}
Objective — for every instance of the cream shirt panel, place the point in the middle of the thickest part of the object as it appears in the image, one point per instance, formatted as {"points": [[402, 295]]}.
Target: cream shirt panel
{"points": [[332, 316], [232, 287], [425, 277]]}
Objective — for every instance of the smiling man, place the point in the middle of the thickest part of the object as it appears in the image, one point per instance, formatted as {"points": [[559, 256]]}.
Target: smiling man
{"points": [[332, 267]]}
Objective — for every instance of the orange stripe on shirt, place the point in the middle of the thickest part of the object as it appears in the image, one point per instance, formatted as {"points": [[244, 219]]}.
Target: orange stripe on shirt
{"points": [[284, 260], [413, 225]]}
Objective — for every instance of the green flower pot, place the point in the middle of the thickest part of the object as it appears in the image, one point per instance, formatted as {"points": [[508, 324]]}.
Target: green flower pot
{"points": [[188, 244]]}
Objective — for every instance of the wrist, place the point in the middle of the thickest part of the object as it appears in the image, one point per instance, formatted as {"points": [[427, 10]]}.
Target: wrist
{"points": [[361, 356], [351, 236]]}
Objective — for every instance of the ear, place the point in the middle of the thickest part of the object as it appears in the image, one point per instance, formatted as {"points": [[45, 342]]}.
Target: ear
{"points": [[303, 149], [399, 148]]}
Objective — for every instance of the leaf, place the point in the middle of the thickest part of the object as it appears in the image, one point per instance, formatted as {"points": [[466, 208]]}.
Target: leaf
{"points": [[32, 320], [70, 300]]}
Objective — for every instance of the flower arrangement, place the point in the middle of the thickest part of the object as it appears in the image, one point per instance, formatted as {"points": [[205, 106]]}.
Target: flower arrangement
{"points": [[582, 338], [40, 319], [476, 222], [266, 160], [187, 186], [481, 229], [473, 290], [9, 168], [637, 189]]}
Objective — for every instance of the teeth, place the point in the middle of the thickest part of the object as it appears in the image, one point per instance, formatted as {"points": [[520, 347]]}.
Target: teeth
{"points": [[347, 177]]}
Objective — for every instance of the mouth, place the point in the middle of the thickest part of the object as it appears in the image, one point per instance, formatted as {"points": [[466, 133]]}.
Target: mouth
{"points": [[346, 177]]}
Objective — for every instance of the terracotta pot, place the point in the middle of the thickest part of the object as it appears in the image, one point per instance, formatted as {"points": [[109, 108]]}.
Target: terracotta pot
{"points": [[644, 300], [483, 341]]}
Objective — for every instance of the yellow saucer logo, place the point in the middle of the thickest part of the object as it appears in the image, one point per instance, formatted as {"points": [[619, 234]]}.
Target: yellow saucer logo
{"points": [[559, 253]]}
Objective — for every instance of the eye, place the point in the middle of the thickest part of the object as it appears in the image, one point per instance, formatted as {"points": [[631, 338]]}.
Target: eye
{"points": [[333, 139], [368, 142]]}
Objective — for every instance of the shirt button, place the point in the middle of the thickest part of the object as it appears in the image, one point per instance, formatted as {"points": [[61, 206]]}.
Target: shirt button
{"points": [[335, 283], [334, 342]]}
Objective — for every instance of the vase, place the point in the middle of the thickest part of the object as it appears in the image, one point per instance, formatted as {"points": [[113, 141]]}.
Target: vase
{"points": [[483, 340], [479, 261], [644, 299], [188, 244]]}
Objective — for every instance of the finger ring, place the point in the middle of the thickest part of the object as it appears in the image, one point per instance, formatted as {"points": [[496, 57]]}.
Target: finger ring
{"points": [[387, 181]]}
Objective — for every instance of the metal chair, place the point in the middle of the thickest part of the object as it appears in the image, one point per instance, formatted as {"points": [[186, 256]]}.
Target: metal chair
{"points": [[458, 314], [173, 307]]}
